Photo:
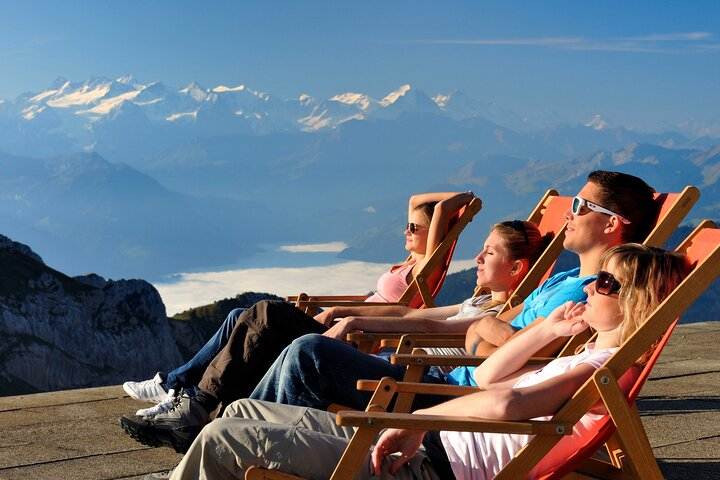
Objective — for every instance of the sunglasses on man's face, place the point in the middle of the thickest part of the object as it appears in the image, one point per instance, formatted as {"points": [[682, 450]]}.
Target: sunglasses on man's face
{"points": [[578, 203], [413, 227], [606, 284]]}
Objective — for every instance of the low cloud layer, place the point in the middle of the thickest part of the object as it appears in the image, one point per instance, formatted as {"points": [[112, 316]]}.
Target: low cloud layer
{"points": [[350, 278], [330, 247]]}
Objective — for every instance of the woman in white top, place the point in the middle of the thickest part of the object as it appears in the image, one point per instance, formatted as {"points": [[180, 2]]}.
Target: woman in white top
{"points": [[633, 281]]}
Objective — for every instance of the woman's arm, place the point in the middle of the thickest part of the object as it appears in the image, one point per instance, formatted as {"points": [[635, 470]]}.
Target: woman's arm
{"points": [[327, 316], [448, 204], [542, 399], [565, 320], [409, 325]]}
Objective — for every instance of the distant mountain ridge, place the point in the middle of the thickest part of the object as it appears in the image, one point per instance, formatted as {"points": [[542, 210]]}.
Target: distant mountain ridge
{"points": [[87, 116], [132, 179]]}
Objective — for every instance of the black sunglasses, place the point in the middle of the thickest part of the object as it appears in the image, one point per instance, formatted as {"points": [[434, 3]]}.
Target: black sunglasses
{"points": [[606, 284], [413, 227], [519, 227]]}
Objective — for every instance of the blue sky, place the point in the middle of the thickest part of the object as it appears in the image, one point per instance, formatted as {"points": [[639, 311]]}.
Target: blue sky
{"points": [[634, 62]]}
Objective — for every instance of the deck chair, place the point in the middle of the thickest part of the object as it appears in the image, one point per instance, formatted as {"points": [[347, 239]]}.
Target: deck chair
{"points": [[426, 284], [672, 209], [615, 385]]}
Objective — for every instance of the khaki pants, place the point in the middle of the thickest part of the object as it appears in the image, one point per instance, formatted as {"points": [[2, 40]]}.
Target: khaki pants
{"points": [[297, 440]]}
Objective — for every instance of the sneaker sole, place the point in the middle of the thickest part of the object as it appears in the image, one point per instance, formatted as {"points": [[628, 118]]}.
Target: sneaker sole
{"points": [[148, 435]]}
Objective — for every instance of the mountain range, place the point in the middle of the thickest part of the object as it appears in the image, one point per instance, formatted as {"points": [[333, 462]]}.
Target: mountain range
{"points": [[131, 179]]}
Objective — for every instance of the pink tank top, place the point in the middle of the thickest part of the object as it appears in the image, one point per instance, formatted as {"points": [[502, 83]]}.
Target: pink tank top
{"points": [[392, 284]]}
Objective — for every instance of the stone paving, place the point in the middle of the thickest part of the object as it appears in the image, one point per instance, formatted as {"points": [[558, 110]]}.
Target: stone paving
{"points": [[74, 434]]}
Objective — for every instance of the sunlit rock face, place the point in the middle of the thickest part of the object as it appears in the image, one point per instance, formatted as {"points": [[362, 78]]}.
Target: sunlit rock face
{"points": [[58, 332]]}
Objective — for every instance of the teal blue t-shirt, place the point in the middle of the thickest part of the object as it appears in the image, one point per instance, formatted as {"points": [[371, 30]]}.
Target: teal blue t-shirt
{"points": [[552, 293]]}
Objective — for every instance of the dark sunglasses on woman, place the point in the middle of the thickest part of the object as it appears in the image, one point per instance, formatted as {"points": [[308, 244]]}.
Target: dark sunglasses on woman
{"points": [[606, 284], [413, 227]]}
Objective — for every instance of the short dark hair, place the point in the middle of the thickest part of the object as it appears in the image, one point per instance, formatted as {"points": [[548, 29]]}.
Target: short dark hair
{"points": [[629, 196]]}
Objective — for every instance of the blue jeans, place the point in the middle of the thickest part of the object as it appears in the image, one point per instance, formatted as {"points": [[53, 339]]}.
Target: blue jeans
{"points": [[189, 375], [315, 371]]}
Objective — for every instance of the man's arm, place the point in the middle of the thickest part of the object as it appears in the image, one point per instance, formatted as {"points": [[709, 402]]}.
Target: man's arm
{"points": [[485, 335]]}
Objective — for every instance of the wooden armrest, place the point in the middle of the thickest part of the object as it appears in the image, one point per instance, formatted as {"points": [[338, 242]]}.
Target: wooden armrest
{"points": [[429, 342], [379, 336], [392, 340], [412, 340], [327, 298], [421, 388], [449, 423], [371, 337], [345, 303], [451, 360]]}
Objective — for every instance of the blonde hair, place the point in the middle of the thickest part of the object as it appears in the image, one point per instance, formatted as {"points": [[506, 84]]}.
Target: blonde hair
{"points": [[647, 276]]}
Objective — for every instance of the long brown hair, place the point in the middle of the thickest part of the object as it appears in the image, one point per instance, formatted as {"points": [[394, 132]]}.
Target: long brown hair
{"points": [[523, 241]]}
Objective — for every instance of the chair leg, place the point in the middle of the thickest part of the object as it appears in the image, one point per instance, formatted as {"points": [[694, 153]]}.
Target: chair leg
{"points": [[638, 459], [355, 453], [404, 401]]}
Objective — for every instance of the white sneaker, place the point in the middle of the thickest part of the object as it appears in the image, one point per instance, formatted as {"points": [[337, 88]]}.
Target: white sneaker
{"points": [[148, 390], [161, 407]]}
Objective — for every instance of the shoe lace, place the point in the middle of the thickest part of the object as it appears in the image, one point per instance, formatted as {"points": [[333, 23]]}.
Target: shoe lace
{"points": [[170, 403], [176, 401]]}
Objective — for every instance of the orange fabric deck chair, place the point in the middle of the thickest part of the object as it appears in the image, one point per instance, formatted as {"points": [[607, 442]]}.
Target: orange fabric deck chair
{"points": [[426, 284], [549, 215], [614, 386]]}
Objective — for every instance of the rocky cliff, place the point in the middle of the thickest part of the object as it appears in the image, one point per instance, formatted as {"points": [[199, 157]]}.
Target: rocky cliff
{"points": [[58, 332]]}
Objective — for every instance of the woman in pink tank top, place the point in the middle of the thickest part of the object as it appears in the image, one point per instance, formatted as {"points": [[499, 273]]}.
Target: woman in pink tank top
{"points": [[428, 221]]}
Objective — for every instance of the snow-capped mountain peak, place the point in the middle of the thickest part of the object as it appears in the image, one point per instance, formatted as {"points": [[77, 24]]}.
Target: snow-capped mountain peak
{"points": [[86, 95], [351, 98], [441, 99], [393, 97], [223, 89], [195, 91], [597, 123], [126, 79]]}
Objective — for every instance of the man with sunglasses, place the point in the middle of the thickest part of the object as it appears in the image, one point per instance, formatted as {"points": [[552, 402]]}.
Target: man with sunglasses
{"points": [[612, 208]]}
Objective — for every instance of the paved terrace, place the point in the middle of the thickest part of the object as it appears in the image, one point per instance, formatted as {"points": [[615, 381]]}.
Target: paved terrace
{"points": [[74, 434]]}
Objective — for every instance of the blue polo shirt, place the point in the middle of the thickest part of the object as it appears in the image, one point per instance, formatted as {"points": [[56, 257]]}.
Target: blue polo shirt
{"points": [[552, 293]]}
